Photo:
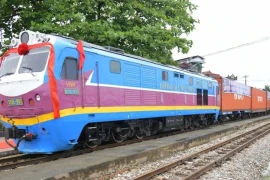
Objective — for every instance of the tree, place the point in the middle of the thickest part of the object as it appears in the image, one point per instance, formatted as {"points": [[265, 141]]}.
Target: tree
{"points": [[2, 127], [267, 88], [142, 27]]}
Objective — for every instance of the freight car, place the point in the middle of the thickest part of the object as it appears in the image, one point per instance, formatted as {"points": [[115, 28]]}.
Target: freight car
{"points": [[57, 93], [239, 101]]}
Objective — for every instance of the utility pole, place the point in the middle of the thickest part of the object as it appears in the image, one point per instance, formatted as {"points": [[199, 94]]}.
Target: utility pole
{"points": [[245, 76]]}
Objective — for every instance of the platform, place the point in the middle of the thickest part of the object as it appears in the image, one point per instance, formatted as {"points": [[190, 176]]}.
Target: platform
{"points": [[107, 161], [4, 146]]}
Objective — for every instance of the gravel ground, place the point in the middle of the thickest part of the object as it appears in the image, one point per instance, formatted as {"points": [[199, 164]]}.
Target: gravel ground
{"points": [[249, 164]]}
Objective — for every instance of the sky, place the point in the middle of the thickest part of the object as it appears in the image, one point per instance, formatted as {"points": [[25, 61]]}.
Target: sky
{"points": [[228, 23]]}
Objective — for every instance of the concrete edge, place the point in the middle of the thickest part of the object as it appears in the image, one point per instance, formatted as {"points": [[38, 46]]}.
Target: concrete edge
{"points": [[8, 153], [108, 169]]}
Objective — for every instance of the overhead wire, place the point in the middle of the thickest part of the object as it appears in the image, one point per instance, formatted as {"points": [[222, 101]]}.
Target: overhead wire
{"points": [[261, 80], [239, 46]]}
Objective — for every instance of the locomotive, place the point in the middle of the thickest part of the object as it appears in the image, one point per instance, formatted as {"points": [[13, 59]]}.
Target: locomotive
{"points": [[58, 93]]}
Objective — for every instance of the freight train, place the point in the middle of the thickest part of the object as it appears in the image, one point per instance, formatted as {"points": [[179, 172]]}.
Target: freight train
{"points": [[240, 100], [58, 93]]}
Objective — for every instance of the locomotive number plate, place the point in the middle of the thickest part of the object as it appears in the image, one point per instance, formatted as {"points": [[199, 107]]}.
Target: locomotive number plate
{"points": [[15, 102]]}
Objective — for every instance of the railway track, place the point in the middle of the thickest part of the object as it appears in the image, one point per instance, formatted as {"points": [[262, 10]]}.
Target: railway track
{"points": [[8, 153], [15, 152], [195, 165], [127, 142], [19, 160]]}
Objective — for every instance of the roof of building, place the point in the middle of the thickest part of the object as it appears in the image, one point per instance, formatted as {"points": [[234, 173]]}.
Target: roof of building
{"points": [[209, 73], [191, 57]]}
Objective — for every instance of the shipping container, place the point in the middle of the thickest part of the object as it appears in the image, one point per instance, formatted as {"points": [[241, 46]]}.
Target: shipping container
{"points": [[268, 100], [235, 96], [259, 100]]}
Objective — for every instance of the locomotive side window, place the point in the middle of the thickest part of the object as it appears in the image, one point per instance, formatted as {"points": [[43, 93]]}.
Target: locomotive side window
{"points": [[209, 84], [176, 75], [181, 75], [70, 69], [115, 67], [164, 75]]}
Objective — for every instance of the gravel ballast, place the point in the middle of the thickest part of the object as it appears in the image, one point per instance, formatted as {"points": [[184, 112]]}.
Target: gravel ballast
{"points": [[251, 163]]}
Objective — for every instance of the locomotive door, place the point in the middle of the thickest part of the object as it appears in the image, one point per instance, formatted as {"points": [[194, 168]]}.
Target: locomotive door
{"points": [[91, 80], [217, 96], [70, 84], [176, 83]]}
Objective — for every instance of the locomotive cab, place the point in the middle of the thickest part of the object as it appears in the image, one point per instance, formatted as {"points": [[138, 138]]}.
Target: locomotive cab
{"points": [[37, 73], [24, 84]]}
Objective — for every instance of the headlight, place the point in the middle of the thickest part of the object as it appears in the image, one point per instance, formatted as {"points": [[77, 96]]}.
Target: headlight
{"points": [[24, 37], [38, 37], [30, 37], [38, 97], [14, 42]]}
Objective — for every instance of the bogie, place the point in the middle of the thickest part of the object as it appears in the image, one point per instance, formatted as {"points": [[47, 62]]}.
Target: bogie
{"points": [[119, 131]]}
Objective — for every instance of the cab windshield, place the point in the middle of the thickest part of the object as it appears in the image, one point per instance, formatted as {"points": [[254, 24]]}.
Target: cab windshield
{"points": [[35, 60], [9, 64]]}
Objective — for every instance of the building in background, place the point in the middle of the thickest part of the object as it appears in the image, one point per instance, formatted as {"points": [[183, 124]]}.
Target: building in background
{"points": [[193, 63], [232, 77], [210, 74]]}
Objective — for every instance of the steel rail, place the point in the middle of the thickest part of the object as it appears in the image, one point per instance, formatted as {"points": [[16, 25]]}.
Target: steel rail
{"points": [[28, 159], [167, 167], [217, 162], [165, 134]]}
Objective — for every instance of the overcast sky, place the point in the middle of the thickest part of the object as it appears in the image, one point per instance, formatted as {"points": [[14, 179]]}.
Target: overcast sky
{"points": [[228, 23]]}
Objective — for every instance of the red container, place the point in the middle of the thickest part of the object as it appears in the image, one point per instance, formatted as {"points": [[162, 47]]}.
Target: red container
{"points": [[235, 96], [259, 100], [268, 100]]}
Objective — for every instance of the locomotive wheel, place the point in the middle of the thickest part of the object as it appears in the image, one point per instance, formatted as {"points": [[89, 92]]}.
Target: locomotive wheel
{"points": [[119, 137], [139, 134], [92, 139], [91, 144]]}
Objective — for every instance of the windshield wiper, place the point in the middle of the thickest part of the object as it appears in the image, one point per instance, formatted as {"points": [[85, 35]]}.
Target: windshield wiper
{"points": [[7, 74], [30, 69]]}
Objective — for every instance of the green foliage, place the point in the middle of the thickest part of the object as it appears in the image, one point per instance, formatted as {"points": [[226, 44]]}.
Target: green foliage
{"points": [[142, 27], [1, 126], [267, 88], [4, 49]]}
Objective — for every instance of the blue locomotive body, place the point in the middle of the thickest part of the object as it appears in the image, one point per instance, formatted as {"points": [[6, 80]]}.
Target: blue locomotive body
{"points": [[87, 94]]}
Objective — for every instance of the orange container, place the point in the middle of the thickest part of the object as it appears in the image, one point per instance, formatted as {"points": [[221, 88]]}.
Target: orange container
{"points": [[235, 96], [268, 100], [259, 100]]}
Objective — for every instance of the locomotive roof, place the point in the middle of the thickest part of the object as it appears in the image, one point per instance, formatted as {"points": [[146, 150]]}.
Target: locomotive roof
{"points": [[121, 52]]}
